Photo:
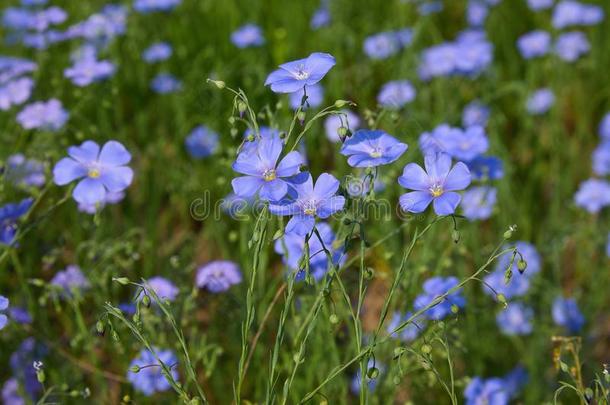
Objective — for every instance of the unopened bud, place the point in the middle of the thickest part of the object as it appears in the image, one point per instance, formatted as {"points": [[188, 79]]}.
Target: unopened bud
{"points": [[99, 327], [334, 319], [146, 301], [455, 309], [121, 280], [342, 132], [341, 103], [250, 138], [218, 83], [501, 299], [521, 265], [372, 373], [40, 376], [301, 116], [455, 235], [426, 349], [134, 369], [241, 107]]}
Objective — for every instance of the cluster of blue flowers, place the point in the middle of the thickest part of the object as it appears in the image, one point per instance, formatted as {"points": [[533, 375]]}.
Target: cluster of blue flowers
{"points": [[495, 390]]}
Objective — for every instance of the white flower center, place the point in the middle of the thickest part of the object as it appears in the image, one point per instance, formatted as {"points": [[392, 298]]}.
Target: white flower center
{"points": [[301, 74], [436, 190], [375, 153], [269, 175]]}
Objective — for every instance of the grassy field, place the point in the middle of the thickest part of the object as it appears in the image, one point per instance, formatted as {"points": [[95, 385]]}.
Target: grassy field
{"points": [[272, 337]]}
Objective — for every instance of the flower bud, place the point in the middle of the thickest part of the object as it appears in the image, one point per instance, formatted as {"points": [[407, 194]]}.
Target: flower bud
{"points": [[521, 265], [146, 300], [134, 369], [301, 116], [342, 132], [455, 309], [218, 83], [121, 280], [283, 134], [99, 327], [426, 349], [334, 319], [241, 107], [250, 138], [455, 235], [341, 103], [233, 132], [372, 373]]}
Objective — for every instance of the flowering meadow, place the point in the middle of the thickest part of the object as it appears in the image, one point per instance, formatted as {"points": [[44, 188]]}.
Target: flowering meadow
{"points": [[305, 202]]}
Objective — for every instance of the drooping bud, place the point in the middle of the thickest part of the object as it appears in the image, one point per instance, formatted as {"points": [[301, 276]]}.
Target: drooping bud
{"points": [[134, 369], [241, 107], [341, 103], [218, 83], [372, 373], [146, 300], [121, 280], [521, 265], [99, 327], [301, 117]]}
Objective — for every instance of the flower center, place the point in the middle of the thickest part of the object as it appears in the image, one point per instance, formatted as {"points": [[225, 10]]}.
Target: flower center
{"points": [[436, 190], [309, 208], [269, 175], [301, 74], [375, 153], [94, 173]]}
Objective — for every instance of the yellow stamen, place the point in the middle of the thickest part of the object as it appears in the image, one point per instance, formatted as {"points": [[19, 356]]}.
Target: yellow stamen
{"points": [[94, 173]]}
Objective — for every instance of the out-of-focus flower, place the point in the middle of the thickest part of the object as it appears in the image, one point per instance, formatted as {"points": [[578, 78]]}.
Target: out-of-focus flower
{"points": [[396, 94], [101, 27], [70, 281], [346, 119], [537, 5], [315, 96], [490, 391], [218, 276], [24, 172], [9, 215], [371, 148], [478, 202], [45, 115], [601, 159], [476, 12], [20, 315], [157, 52], [150, 379], [15, 92], [165, 289], [111, 198], [293, 76], [102, 172], [381, 45], [593, 195], [4, 303], [434, 142], [201, 142], [467, 144], [571, 45], [569, 13], [292, 246], [165, 83], [437, 184], [516, 319], [248, 35], [534, 44], [11, 394], [475, 113], [12, 68], [311, 201], [566, 314], [409, 332], [484, 168], [320, 18], [469, 55], [89, 70], [149, 6], [21, 365], [434, 288], [265, 174], [540, 101], [430, 7]]}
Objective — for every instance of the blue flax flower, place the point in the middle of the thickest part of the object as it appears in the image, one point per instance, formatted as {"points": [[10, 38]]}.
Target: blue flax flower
{"points": [[101, 171], [475, 113], [157, 52], [320, 18], [490, 391], [218, 276], [486, 168], [70, 280], [540, 101], [15, 92], [150, 379], [604, 127], [165, 289], [593, 195], [319, 200], [570, 12], [534, 44], [263, 173], [601, 159], [45, 115], [516, 319], [201, 142], [371, 148], [165, 83], [571, 45], [438, 183], [537, 5], [467, 144], [293, 76], [149, 6], [566, 314], [434, 142], [4, 303], [396, 94], [248, 35], [478, 202], [381, 45], [433, 289], [89, 70], [9, 214]]}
